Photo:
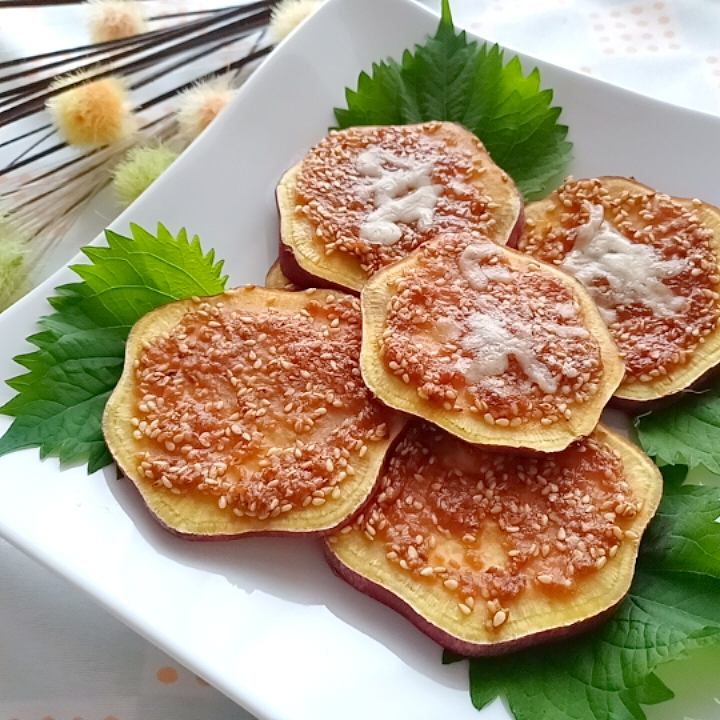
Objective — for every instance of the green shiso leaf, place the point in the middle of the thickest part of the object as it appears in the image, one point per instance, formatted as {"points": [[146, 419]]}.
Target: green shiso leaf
{"points": [[688, 433], [81, 346], [132, 276], [671, 609], [451, 79], [684, 536]]}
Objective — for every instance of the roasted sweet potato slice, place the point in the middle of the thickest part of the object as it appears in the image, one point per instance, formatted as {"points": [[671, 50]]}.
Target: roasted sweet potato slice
{"points": [[490, 551], [365, 197], [650, 262], [276, 280], [246, 413], [489, 344]]}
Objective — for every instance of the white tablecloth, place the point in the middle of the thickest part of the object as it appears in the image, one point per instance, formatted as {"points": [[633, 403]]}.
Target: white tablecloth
{"points": [[61, 657]]}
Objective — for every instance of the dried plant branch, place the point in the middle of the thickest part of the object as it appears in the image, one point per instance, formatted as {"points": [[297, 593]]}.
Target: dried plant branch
{"points": [[235, 23], [47, 183]]}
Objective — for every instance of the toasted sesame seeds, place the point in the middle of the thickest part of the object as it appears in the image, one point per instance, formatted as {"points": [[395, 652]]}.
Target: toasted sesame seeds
{"points": [[230, 401], [336, 198], [652, 345], [548, 507], [499, 618], [435, 356]]}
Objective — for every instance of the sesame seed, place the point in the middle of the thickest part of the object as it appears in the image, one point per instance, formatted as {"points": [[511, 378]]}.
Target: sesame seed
{"points": [[499, 618]]}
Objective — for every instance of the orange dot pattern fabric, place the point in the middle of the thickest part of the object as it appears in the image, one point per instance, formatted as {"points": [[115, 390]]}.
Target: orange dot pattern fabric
{"points": [[64, 658], [668, 49]]}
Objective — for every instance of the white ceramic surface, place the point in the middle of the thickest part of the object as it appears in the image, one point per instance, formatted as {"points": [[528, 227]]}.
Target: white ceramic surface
{"points": [[263, 619]]}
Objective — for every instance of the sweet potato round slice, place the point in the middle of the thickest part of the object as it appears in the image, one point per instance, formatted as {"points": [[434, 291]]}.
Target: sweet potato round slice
{"points": [[491, 551], [366, 197], [246, 413], [650, 261], [276, 280], [488, 343]]}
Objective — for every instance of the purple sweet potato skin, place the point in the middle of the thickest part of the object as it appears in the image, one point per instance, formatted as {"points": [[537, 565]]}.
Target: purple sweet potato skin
{"points": [[517, 231], [303, 279], [446, 640]]}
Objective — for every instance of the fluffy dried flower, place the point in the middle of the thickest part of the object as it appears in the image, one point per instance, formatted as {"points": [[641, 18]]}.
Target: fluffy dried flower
{"points": [[139, 170], [94, 114], [199, 106], [115, 19], [13, 267], [289, 14]]}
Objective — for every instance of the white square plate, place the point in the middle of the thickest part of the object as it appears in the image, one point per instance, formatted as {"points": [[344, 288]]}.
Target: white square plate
{"points": [[263, 619]]}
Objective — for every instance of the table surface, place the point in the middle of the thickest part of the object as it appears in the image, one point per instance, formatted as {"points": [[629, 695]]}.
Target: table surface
{"points": [[63, 658]]}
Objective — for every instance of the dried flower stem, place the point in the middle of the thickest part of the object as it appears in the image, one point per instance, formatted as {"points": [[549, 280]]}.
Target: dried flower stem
{"points": [[98, 49], [234, 23], [37, 3], [21, 161], [47, 184]]}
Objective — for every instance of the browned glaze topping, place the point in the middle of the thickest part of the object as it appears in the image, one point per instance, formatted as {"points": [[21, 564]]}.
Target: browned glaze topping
{"points": [[652, 344], [263, 409], [337, 196], [489, 524], [468, 331]]}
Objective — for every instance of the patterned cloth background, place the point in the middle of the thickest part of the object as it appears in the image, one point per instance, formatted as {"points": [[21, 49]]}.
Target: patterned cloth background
{"points": [[670, 50], [61, 657]]}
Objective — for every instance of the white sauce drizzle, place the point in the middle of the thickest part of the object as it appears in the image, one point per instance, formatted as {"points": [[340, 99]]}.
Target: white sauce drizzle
{"points": [[477, 274], [491, 340], [617, 272], [491, 344], [448, 331], [402, 192]]}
